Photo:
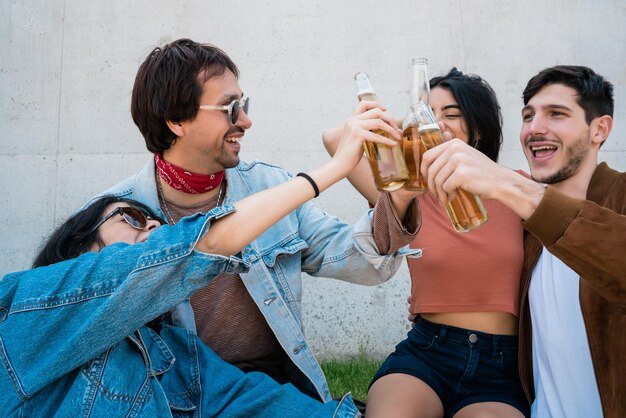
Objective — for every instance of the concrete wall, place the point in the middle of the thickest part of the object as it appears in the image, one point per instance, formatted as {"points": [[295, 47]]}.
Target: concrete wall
{"points": [[67, 68]]}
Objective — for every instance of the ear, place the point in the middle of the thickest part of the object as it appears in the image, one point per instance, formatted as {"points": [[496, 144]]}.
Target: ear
{"points": [[601, 128], [176, 128]]}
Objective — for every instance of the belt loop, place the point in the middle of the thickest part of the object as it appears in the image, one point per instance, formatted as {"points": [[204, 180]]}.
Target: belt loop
{"points": [[442, 333], [495, 346]]}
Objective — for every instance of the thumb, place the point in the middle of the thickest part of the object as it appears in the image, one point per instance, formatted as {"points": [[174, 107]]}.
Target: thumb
{"points": [[446, 135]]}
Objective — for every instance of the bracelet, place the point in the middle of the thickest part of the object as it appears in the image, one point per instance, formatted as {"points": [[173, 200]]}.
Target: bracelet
{"points": [[310, 180]]}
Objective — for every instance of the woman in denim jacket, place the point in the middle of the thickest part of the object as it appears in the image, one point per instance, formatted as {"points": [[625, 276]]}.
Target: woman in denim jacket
{"points": [[90, 335]]}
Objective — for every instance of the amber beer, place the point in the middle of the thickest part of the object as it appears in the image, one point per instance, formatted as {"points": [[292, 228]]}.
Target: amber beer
{"points": [[413, 148], [387, 163], [466, 210]]}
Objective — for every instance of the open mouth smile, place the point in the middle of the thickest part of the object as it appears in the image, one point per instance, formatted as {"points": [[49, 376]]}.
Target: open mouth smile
{"points": [[540, 151], [233, 139]]}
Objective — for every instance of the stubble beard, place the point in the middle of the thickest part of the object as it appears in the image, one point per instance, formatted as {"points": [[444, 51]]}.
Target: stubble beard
{"points": [[576, 153], [230, 162], [227, 159]]}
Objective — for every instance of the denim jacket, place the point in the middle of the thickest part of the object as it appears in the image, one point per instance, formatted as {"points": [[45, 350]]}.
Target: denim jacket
{"points": [[73, 339], [307, 240]]}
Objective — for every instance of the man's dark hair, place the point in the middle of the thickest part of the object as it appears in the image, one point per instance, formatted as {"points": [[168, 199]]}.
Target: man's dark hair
{"points": [[76, 235], [480, 107], [168, 87], [595, 94]]}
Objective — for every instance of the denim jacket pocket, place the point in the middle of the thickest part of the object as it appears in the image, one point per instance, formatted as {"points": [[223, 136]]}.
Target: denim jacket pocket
{"points": [[120, 377], [117, 379], [157, 355], [288, 246], [182, 382], [283, 262]]}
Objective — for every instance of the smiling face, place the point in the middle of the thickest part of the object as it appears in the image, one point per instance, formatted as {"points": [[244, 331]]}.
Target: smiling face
{"points": [[555, 136], [209, 143], [448, 112], [116, 229]]}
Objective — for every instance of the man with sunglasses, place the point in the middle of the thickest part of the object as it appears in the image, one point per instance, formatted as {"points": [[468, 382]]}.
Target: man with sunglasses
{"points": [[188, 105]]}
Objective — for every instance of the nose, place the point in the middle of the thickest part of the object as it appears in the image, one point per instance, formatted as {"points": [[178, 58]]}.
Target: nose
{"points": [[152, 224], [243, 120], [537, 126]]}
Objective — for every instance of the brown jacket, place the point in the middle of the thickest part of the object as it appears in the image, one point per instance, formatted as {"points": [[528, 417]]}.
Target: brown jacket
{"points": [[590, 237]]}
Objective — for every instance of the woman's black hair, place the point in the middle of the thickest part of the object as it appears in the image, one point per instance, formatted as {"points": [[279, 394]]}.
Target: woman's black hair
{"points": [[76, 235], [480, 107]]}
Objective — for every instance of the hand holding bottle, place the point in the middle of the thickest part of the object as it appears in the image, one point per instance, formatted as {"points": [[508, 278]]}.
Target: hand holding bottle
{"points": [[369, 122], [455, 165], [387, 162]]}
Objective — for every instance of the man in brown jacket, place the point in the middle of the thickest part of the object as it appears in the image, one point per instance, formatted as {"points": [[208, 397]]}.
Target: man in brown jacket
{"points": [[573, 289]]}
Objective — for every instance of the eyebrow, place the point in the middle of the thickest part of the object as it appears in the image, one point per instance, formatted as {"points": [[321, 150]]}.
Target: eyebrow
{"points": [[451, 106], [230, 97], [548, 106]]}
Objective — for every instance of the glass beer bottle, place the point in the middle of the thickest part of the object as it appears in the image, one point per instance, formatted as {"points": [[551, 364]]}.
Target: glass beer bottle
{"points": [[412, 146], [466, 211], [387, 163]]}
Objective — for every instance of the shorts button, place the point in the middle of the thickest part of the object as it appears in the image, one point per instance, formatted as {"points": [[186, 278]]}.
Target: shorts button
{"points": [[472, 338]]}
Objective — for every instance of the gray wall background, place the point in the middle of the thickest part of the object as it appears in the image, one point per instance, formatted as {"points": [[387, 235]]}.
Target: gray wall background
{"points": [[67, 69]]}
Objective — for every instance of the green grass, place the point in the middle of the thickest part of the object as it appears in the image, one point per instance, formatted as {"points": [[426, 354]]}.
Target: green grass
{"points": [[351, 375]]}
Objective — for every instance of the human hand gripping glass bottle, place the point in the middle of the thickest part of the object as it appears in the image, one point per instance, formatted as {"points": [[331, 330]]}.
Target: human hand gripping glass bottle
{"points": [[466, 210], [386, 161]]}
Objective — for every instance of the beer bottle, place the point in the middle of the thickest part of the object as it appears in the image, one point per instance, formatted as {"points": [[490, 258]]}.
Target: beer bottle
{"points": [[387, 163], [412, 146], [466, 210]]}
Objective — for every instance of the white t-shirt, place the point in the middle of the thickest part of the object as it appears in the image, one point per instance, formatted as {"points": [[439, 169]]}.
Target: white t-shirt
{"points": [[565, 383]]}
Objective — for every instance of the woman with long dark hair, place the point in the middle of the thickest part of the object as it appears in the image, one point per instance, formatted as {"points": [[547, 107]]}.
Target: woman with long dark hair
{"points": [[460, 357]]}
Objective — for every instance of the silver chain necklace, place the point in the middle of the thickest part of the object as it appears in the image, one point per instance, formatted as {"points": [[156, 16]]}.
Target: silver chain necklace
{"points": [[168, 215]]}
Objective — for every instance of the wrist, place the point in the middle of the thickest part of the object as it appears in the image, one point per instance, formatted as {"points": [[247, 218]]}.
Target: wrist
{"points": [[400, 202], [316, 189], [523, 195], [326, 175]]}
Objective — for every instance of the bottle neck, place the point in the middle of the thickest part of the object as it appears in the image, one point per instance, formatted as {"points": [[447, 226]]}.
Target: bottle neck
{"points": [[420, 89], [423, 114], [364, 88], [367, 95]]}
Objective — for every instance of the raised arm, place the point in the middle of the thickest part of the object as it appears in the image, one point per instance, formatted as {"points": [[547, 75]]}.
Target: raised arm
{"points": [[258, 212], [586, 235]]}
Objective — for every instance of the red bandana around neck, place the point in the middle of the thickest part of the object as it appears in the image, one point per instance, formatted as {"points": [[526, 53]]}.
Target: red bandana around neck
{"points": [[186, 181]]}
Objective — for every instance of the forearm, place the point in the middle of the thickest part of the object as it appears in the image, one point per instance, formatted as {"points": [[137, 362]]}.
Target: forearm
{"points": [[587, 237], [453, 165], [256, 213], [401, 201]]}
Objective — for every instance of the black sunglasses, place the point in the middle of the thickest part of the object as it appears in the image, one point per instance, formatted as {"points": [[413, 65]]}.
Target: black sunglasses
{"points": [[133, 216], [232, 108]]}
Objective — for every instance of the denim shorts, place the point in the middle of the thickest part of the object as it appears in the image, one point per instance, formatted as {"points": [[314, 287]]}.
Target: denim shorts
{"points": [[462, 366]]}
